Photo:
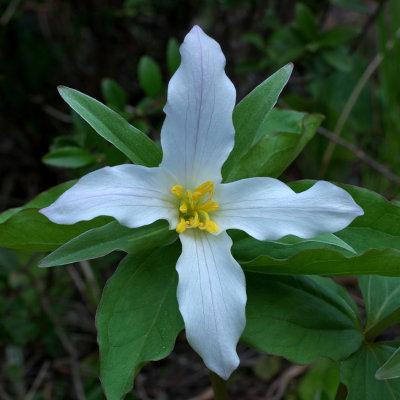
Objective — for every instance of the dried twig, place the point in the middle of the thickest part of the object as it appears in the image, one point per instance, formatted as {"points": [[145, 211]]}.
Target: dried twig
{"points": [[347, 109], [360, 154], [38, 381], [278, 388]]}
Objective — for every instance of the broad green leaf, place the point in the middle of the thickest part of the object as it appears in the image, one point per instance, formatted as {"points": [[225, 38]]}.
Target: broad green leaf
{"points": [[301, 318], [112, 127], [113, 94], [358, 374], [42, 200], [69, 157], [321, 379], [98, 242], [251, 112], [173, 55], [30, 230], [150, 78], [382, 302], [378, 228], [138, 317], [391, 368], [281, 138]]}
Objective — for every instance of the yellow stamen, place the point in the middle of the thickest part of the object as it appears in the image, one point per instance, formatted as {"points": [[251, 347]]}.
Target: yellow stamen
{"points": [[177, 190], [181, 226], [195, 206]]}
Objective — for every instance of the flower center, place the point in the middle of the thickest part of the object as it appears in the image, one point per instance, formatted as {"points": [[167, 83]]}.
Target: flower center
{"points": [[195, 206]]}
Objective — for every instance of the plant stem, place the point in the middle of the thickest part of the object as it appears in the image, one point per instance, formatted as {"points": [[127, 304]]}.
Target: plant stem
{"points": [[219, 387]]}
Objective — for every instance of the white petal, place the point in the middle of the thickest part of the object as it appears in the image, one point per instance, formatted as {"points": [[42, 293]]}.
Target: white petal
{"points": [[132, 194], [268, 209], [198, 134], [212, 298]]}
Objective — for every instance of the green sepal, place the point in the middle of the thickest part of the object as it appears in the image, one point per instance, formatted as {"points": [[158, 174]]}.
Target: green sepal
{"points": [[112, 127], [100, 241]]}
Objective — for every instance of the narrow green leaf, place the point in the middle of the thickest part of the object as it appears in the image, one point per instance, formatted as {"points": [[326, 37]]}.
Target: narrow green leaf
{"points": [[30, 230], [358, 374], [150, 78], [138, 317], [98, 242], [382, 302], [247, 248], [113, 94], [112, 127], [42, 200], [173, 56], [69, 157], [282, 137], [391, 368], [301, 318], [251, 112], [328, 262]]}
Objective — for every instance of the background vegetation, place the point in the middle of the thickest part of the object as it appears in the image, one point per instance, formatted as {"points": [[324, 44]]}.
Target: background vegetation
{"points": [[346, 56]]}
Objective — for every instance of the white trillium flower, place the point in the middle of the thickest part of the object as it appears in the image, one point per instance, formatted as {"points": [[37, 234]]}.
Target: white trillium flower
{"points": [[186, 189]]}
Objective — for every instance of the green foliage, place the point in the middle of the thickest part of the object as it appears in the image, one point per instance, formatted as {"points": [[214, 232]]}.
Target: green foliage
{"points": [[279, 140], [250, 114], [100, 241], [132, 142], [358, 373], [320, 382], [68, 157], [287, 316], [138, 317], [391, 368], [150, 78]]}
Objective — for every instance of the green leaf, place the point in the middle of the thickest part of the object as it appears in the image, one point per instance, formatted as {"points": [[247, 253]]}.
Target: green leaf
{"points": [[247, 248], [358, 374], [112, 127], [138, 317], [113, 94], [337, 36], [98, 242], [382, 302], [42, 200], [250, 114], [30, 230], [391, 368], [322, 378], [150, 78], [69, 157], [305, 22], [280, 139], [301, 318], [338, 58], [173, 56]]}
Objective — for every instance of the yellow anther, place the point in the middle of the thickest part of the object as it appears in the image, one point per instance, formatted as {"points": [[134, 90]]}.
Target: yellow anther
{"points": [[208, 206], [183, 208], [177, 190], [194, 207], [181, 226], [212, 227]]}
